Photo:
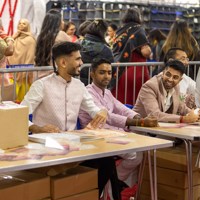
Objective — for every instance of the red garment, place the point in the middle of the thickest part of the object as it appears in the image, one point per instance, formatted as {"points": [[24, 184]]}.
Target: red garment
{"points": [[129, 192], [130, 98]]}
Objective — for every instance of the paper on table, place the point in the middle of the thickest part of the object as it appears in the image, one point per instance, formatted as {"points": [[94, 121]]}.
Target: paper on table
{"points": [[171, 125], [119, 140]]}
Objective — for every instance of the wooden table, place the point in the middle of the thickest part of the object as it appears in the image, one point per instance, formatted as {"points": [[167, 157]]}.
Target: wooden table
{"points": [[187, 133], [102, 149]]}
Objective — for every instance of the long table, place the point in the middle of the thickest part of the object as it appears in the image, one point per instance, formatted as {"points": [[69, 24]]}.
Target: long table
{"points": [[102, 148], [188, 133]]}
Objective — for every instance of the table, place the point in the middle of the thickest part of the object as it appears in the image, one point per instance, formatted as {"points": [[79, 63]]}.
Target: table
{"points": [[103, 149], [187, 133]]}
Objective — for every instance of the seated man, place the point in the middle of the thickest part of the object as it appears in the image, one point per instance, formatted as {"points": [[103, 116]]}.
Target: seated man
{"points": [[160, 96], [55, 101], [187, 85], [119, 116]]}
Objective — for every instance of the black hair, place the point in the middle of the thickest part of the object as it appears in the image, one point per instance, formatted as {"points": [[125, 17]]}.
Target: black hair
{"points": [[132, 15], [113, 26], [50, 28], [175, 64], [171, 53], [98, 61], [63, 48], [98, 28], [83, 28]]}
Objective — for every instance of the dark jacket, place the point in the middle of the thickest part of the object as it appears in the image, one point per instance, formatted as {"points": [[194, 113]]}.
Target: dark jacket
{"points": [[93, 47]]}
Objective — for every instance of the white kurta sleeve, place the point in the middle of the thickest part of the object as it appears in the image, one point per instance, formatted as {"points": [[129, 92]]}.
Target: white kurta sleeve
{"points": [[88, 104]]}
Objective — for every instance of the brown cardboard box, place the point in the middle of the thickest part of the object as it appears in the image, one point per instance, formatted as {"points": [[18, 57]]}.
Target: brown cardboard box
{"points": [[24, 185], [173, 177], [175, 158], [90, 195], [170, 193], [13, 125], [76, 180]]}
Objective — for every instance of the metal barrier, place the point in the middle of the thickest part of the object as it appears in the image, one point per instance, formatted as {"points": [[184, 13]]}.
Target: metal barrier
{"points": [[117, 67]]}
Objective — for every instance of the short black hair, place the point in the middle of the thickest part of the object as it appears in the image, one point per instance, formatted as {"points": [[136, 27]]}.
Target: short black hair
{"points": [[132, 15], [175, 64], [64, 48], [98, 61], [171, 53], [113, 26]]}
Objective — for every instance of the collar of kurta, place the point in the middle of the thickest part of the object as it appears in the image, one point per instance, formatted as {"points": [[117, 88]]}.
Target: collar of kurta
{"points": [[60, 79], [99, 90]]}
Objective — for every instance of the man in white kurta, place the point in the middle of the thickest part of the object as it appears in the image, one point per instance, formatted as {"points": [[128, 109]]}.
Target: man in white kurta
{"points": [[55, 100]]}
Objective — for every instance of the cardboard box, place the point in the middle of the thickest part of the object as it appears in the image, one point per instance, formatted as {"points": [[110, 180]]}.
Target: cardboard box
{"points": [[175, 158], [170, 193], [76, 180], [90, 195], [13, 125], [172, 177], [24, 185]]}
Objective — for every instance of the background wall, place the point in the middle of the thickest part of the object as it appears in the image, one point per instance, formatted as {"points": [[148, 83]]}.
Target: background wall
{"points": [[34, 10]]}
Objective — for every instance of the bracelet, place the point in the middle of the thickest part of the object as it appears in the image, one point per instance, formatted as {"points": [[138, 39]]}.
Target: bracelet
{"points": [[142, 122], [181, 119]]}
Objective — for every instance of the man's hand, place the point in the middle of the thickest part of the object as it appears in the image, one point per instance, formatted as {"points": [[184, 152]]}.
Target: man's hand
{"points": [[150, 121], [49, 128], [190, 117], [99, 120]]}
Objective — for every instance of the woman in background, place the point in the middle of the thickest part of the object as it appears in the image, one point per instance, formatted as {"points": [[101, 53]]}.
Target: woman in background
{"points": [[50, 34], [111, 33], [24, 53], [180, 36], [131, 46], [157, 39], [70, 30], [94, 46]]}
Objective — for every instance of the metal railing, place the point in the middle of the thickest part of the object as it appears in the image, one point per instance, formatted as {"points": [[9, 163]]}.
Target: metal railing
{"points": [[117, 66]]}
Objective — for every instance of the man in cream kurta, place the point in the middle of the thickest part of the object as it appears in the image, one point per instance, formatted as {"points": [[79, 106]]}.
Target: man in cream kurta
{"points": [[55, 100]]}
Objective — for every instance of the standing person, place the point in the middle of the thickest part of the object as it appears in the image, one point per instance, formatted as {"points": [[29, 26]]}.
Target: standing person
{"points": [[111, 33], [55, 101], [94, 46], [24, 53], [6, 49], [70, 30], [159, 96], [82, 30], [157, 39], [180, 36], [131, 46], [50, 34]]}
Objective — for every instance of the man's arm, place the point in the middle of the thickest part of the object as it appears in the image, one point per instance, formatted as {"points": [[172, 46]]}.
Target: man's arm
{"points": [[149, 98], [44, 129], [98, 115], [32, 99]]}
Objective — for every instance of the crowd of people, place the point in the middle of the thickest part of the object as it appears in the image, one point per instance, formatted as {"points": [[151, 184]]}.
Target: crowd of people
{"points": [[57, 99]]}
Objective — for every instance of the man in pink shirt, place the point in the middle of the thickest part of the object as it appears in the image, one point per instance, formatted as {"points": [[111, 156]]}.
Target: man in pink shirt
{"points": [[55, 101], [119, 116]]}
